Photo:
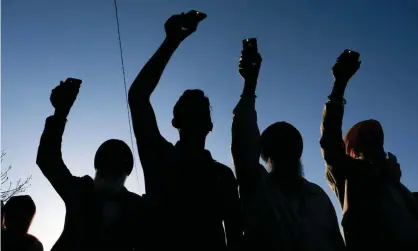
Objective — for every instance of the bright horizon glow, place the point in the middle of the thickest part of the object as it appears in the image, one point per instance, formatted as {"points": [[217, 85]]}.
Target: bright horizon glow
{"points": [[47, 41]]}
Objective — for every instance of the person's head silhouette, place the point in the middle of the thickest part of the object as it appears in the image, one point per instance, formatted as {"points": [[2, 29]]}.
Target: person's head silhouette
{"points": [[365, 140], [113, 163], [192, 116], [282, 148], [18, 214]]}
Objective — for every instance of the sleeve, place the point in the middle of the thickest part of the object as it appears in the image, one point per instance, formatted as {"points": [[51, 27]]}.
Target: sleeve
{"points": [[245, 146], [49, 158], [338, 164]]}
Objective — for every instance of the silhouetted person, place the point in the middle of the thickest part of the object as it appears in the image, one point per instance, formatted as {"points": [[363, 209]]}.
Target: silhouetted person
{"points": [[18, 215], [379, 213], [2, 214], [282, 210], [101, 213], [196, 193]]}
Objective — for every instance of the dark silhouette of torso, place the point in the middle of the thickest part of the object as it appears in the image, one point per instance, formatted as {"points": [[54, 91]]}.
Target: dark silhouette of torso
{"points": [[19, 242], [190, 195], [89, 227]]}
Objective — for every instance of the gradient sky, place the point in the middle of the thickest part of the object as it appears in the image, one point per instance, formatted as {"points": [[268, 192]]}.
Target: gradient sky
{"points": [[44, 42]]}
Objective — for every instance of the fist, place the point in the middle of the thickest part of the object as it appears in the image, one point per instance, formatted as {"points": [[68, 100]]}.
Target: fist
{"points": [[249, 65], [179, 27], [64, 95], [346, 66]]}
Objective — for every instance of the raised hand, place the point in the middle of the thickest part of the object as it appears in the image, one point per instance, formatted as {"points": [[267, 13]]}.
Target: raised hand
{"points": [[64, 95], [249, 65], [346, 66], [179, 27]]}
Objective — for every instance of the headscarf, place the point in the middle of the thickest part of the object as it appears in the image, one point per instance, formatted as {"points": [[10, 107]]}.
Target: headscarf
{"points": [[363, 136]]}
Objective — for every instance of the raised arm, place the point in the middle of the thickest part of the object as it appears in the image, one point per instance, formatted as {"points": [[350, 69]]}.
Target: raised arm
{"points": [[151, 144], [178, 28], [49, 158], [245, 145], [332, 144], [143, 117]]}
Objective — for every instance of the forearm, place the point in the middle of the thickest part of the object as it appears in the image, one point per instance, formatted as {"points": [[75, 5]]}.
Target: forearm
{"points": [[245, 134], [338, 90], [332, 144], [148, 77], [50, 144], [332, 119], [49, 158]]}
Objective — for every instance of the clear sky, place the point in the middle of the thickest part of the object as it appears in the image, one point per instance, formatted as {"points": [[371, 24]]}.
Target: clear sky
{"points": [[44, 42]]}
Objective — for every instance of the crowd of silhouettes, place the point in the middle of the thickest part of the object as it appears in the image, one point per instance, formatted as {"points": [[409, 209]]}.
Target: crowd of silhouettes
{"points": [[193, 202]]}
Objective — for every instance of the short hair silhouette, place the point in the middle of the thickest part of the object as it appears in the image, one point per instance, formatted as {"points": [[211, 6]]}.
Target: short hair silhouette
{"points": [[281, 140], [18, 213], [192, 111], [114, 156], [364, 137]]}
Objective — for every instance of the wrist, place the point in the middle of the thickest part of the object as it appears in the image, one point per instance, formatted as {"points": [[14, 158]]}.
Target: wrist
{"points": [[341, 82], [61, 113], [249, 87], [171, 43]]}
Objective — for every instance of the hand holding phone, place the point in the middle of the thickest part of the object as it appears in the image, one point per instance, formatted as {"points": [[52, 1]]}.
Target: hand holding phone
{"points": [[64, 95], [250, 61], [346, 66], [179, 27]]}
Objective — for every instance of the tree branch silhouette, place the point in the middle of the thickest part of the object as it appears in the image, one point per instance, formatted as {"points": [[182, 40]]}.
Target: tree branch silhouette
{"points": [[8, 188]]}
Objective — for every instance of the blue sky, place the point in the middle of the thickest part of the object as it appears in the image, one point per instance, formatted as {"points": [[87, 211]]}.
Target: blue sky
{"points": [[44, 42]]}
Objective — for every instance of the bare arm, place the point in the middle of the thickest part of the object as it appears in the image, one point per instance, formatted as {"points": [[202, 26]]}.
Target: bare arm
{"points": [[245, 145], [49, 158], [151, 144], [143, 117]]}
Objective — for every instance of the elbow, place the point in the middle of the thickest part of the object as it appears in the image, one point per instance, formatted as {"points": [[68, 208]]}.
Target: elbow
{"points": [[40, 160], [43, 157], [132, 95], [137, 95], [324, 143]]}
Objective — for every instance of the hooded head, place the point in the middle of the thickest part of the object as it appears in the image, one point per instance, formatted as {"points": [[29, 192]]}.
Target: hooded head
{"points": [[192, 114], [113, 163], [282, 148], [19, 213], [365, 140]]}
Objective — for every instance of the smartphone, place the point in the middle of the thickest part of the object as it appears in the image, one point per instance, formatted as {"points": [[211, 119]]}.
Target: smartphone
{"points": [[74, 80], [249, 45], [194, 16], [353, 55]]}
